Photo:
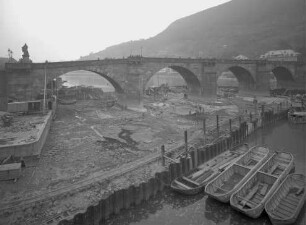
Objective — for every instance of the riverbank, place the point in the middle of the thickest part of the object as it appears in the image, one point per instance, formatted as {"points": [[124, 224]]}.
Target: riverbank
{"points": [[88, 155], [174, 209]]}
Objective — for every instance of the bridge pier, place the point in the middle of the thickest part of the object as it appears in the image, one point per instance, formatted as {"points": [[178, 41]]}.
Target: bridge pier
{"points": [[263, 76], [208, 80]]}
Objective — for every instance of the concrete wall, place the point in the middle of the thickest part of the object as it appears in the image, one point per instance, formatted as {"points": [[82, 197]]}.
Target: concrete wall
{"points": [[32, 148]]}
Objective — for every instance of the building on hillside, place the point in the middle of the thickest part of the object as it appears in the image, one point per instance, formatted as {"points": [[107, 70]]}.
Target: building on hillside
{"points": [[241, 57], [281, 55]]}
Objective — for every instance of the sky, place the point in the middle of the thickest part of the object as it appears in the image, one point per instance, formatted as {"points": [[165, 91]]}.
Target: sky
{"points": [[57, 30]]}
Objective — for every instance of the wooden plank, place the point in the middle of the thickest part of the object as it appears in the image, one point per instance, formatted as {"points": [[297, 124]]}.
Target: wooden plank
{"points": [[183, 185], [249, 195], [219, 188], [203, 174], [283, 212], [191, 181], [300, 191], [207, 176], [279, 215], [264, 189], [257, 198], [273, 168], [292, 199], [286, 207], [289, 202]]}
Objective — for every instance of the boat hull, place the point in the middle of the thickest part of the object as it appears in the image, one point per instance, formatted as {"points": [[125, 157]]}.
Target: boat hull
{"points": [[284, 206], [225, 184], [251, 197], [196, 180]]}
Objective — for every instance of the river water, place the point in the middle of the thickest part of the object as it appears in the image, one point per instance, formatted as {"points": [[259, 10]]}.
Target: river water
{"points": [[169, 208]]}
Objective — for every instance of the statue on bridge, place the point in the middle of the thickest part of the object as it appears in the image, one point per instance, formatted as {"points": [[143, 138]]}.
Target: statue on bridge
{"points": [[25, 51], [25, 55]]}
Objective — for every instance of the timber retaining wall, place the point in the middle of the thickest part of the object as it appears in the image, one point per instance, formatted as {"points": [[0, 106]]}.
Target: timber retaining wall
{"points": [[135, 195]]}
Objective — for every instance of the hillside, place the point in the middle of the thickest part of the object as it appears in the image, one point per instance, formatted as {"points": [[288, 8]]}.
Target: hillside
{"points": [[248, 27]]}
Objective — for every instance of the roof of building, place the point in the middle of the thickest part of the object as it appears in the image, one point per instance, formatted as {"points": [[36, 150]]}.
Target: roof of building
{"points": [[241, 57], [285, 52]]}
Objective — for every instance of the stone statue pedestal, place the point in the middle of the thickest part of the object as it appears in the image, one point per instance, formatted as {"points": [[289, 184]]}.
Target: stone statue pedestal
{"points": [[25, 60]]}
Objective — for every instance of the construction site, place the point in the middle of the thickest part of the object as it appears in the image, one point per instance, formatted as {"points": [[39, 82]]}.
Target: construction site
{"points": [[95, 146]]}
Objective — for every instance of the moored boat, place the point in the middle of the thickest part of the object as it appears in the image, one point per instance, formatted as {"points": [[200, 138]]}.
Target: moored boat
{"points": [[194, 182], [67, 101], [251, 197], [297, 115], [225, 184], [284, 206]]}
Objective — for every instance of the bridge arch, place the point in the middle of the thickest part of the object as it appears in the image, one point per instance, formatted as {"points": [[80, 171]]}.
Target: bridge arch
{"points": [[191, 80], [114, 83], [282, 74], [244, 77]]}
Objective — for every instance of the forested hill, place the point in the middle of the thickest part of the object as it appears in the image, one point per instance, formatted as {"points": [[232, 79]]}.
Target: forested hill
{"points": [[248, 27]]}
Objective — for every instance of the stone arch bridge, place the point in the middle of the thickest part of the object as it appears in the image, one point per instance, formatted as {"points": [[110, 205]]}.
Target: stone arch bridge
{"points": [[130, 75]]}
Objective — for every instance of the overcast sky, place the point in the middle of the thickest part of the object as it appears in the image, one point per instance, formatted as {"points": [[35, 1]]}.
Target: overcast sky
{"points": [[58, 30]]}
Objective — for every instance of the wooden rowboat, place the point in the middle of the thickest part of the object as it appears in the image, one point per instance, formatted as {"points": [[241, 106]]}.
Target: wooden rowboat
{"points": [[195, 181], [225, 184], [67, 101], [287, 201], [251, 197]]}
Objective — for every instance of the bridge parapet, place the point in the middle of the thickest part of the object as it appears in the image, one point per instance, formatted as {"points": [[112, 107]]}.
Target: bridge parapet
{"points": [[18, 66]]}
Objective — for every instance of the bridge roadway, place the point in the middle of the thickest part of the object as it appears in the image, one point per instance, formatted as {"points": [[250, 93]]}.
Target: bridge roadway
{"points": [[138, 60]]}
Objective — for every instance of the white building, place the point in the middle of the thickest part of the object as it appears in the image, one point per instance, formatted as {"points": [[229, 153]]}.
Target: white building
{"points": [[281, 55], [241, 57]]}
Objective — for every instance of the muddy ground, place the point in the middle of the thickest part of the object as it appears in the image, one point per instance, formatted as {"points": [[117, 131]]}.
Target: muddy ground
{"points": [[87, 139]]}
